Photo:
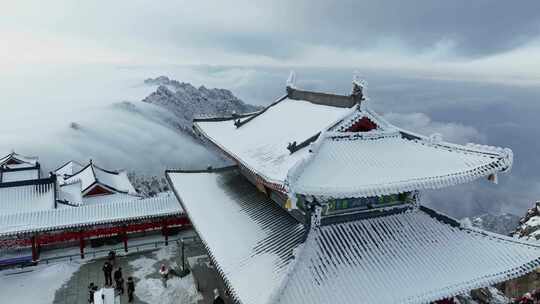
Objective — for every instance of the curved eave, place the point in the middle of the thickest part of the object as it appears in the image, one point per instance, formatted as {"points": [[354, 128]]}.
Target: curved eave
{"points": [[435, 182], [496, 160]]}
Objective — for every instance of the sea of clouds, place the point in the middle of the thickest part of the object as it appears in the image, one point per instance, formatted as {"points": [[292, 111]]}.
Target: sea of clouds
{"points": [[94, 112]]}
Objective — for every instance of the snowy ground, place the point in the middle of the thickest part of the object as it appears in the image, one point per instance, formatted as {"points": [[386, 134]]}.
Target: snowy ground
{"points": [[152, 289], [36, 285], [66, 282]]}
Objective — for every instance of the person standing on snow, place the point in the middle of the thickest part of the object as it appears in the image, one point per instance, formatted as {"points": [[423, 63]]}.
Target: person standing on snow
{"points": [[130, 289], [91, 290], [164, 271], [107, 272], [119, 280]]}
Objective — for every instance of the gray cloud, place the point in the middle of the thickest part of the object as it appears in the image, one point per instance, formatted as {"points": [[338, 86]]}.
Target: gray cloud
{"points": [[477, 27], [421, 123], [473, 29], [285, 29]]}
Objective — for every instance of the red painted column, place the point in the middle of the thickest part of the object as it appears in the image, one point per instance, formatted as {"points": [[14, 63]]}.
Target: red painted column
{"points": [[35, 253], [166, 234], [125, 240], [81, 244]]}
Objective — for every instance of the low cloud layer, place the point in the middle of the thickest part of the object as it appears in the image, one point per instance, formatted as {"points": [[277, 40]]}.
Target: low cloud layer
{"points": [[133, 136], [422, 123], [119, 135]]}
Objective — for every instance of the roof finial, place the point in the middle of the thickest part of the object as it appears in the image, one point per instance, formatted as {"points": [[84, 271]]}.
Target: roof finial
{"points": [[291, 81], [358, 87]]}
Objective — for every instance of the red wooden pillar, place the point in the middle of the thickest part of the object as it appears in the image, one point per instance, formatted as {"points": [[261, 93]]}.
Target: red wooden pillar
{"points": [[125, 237], [35, 249], [165, 232], [81, 244]]}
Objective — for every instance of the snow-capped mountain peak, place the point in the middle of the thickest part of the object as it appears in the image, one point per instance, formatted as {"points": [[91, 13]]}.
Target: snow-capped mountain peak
{"points": [[186, 101]]}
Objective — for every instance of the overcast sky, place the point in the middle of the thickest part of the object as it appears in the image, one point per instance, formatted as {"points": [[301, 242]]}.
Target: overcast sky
{"points": [[460, 36]]}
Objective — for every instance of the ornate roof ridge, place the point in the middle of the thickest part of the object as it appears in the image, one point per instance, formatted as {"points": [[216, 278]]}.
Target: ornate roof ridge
{"points": [[321, 98]]}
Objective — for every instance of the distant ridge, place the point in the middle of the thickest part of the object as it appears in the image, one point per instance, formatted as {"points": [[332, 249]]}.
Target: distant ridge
{"points": [[186, 101]]}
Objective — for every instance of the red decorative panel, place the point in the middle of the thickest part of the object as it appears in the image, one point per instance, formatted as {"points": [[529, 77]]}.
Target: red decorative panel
{"points": [[13, 162], [14, 243], [363, 125], [98, 190], [111, 230]]}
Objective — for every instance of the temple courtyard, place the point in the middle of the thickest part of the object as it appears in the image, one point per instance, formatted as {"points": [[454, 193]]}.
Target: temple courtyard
{"points": [[66, 282]]}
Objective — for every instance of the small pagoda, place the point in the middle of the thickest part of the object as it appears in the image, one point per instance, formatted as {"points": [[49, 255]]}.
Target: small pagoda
{"points": [[94, 184], [322, 205]]}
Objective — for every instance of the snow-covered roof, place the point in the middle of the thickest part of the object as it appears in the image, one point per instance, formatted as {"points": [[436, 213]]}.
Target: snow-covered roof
{"points": [[380, 163], [70, 217], [344, 152], [71, 193], [69, 168], [261, 143], [409, 257], [19, 174], [18, 159], [114, 181], [105, 199], [249, 237], [26, 197], [414, 256]]}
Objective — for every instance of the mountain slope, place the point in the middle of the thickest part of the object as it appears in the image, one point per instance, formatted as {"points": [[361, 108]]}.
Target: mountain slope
{"points": [[503, 223], [529, 224], [186, 101]]}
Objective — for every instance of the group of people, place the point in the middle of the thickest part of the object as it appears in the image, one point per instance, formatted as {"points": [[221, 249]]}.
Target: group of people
{"points": [[118, 280]]}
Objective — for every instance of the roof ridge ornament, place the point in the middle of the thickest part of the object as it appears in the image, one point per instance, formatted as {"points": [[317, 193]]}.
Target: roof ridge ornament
{"points": [[435, 138], [316, 216], [358, 88], [291, 81]]}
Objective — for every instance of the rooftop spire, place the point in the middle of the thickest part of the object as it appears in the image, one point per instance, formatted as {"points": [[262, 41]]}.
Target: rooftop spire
{"points": [[358, 87], [291, 81]]}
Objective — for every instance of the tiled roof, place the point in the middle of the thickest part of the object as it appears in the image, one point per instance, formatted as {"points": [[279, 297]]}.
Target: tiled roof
{"points": [[25, 198], [18, 175], [261, 143], [92, 174], [409, 257], [248, 236], [70, 217], [28, 160], [414, 256], [108, 198], [340, 157], [377, 163], [71, 193], [69, 168]]}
